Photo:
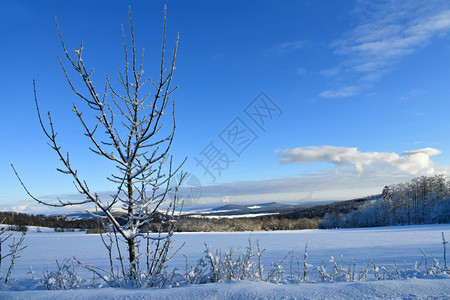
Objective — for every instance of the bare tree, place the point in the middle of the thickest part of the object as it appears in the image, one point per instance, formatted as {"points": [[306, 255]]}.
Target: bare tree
{"points": [[135, 141]]}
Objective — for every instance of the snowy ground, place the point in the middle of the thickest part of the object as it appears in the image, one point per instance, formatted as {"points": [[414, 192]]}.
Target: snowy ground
{"points": [[384, 244]]}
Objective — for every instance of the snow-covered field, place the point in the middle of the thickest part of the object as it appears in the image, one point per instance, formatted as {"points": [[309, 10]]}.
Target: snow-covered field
{"points": [[382, 245]]}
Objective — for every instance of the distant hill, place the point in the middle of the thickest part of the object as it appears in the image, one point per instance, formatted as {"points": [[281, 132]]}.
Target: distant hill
{"points": [[229, 217], [319, 211], [266, 216], [298, 210]]}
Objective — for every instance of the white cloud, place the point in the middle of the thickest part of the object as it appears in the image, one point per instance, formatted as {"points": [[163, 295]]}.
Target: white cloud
{"points": [[393, 29], [386, 32], [20, 207], [410, 162], [334, 71], [289, 46], [343, 92], [412, 94], [301, 71]]}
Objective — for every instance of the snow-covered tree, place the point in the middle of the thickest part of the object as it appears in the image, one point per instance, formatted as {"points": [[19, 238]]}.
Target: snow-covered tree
{"points": [[423, 200], [135, 127]]}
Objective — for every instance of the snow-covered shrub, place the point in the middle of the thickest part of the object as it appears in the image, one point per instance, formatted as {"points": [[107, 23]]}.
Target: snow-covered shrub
{"points": [[21, 228], [15, 249], [234, 265], [65, 276], [444, 245]]}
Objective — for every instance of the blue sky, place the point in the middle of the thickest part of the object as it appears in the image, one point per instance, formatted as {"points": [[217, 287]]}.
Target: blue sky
{"points": [[327, 100]]}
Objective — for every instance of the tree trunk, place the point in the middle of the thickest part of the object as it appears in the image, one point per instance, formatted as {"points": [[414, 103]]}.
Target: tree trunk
{"points": [[130, 239]]}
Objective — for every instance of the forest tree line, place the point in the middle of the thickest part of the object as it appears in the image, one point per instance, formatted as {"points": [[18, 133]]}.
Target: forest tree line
{"points": [[40, 220], [266, 223], [423, 200]]}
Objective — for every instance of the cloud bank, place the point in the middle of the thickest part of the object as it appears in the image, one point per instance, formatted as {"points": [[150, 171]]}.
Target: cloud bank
{"points": [[375, 170], [411, 162]]}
